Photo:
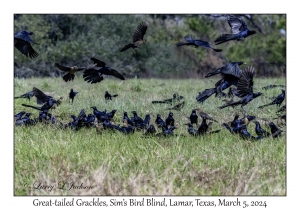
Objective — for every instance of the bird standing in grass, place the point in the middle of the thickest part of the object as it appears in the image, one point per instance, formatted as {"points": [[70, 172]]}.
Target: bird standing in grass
{"points": [[259, 131], [239, 30], [170, 120], [108, 96], [23, 41], [278, 100], [72, 95], [194, 117], [138, 37], [197, 43]]}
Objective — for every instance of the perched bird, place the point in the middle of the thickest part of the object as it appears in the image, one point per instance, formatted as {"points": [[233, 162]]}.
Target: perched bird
{"points": [[93, 75], [272, 86], [136, 119], [259, 131], [276, 132], [278, 100], [177, 107], [108, 96], [98, 113], [126, 129], [245, 134], [194, 117], [239, 30], [72, 95], [19, 116], [26, 95], [25, 120], [23, 41], [192, 130], [138, 37], [175, 98], [245, 89], [71, 71], [129, 121], [170, 120], [229, 69], [160, 122], [46, 106], [150, 130], [202, 129], [197, 43], [166, 131]]}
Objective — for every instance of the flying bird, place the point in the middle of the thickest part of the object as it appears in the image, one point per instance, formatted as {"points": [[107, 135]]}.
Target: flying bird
{"points": [[239, 30], [71, 71], [138, 37], [197, 43], [93, 75], [23, 41]]}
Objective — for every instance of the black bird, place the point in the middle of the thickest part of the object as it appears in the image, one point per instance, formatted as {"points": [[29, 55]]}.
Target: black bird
{"points": [[259, 131], [111, 114], [126, 129], [19, 115], [160, 122], [93, 75], [245, 89], [143, 125], [23, 41], [197, 43], [276, 132], [47, 105], [170, 120], [272, 86], [194, 117], [239, 30], [177, 107], [41, 97], [278, 100], [71, 71], [175, 98], [245, 134], [129, 121], [99, 115], [229, 69], [26, 95], [167, 131], [138, 37], [72, 95], [136, 119], [228, 127], [192, 130], [202, 129], [108, 96], [25, 120], [150, 130]]}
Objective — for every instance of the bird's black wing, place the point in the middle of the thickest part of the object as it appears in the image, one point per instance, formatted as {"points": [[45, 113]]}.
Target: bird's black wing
{"points": [[25, 48], [92, 76], [245, 83], [40, 96], [140, 32], [232, 69], [126, 47], [98, 62], [189, 39], [112, 72], [236, 23]]}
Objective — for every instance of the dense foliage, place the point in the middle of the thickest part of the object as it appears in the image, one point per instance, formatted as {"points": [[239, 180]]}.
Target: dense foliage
{"points": [[72, 39]]}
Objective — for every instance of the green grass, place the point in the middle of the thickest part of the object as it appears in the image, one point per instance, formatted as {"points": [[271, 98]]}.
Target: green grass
{"points": [[117, 164]]}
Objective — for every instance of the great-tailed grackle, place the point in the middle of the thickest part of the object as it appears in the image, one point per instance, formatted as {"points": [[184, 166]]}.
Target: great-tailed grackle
{"points": [[191, 130], [129, 121], [259, 131], [26, 120], [19, 116], [138, 37], [170, 120], [150, 130], [136, 119], [93, 75], [108, 96], [194, 117], [23, 41], [143, 125], [47, 105], [272, 86], [276, 132], [202, 129], [239, 30], [26, 95], [175, 98], [228, 127], [41, 97], [72, 95], [160, 122], [98, 113], [166, 131], [177, 107], [246, 135], [278, 100], [245, 89], [71, 71], [126, 129], [229, 69], [197, 43]]}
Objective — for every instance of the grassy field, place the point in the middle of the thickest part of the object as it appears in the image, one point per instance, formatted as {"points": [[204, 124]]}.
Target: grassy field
{"points": [[117, 164]]}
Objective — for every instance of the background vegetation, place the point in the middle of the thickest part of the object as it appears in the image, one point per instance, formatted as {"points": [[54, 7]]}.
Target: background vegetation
{"points": [[72, 39]]}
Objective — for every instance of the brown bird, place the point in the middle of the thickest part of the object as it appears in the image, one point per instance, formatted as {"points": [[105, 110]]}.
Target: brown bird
{"points": [[204, 115], [229, 101], [177, 107], [58, 102], [71, 71], [138, 37]]}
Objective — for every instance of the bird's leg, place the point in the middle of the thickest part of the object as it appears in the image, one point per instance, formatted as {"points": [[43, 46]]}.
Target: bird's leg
{"points": [[244, 111]]}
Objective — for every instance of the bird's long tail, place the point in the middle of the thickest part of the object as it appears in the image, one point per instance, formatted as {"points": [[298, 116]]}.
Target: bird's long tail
{"points": [[34, 107], [217, 50], [183, 43], [218, 71], [115, 95], [215, 131], [205, 94], [225, 38], [261, 107], [158, 102], [68, 77], [232, 104]]}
